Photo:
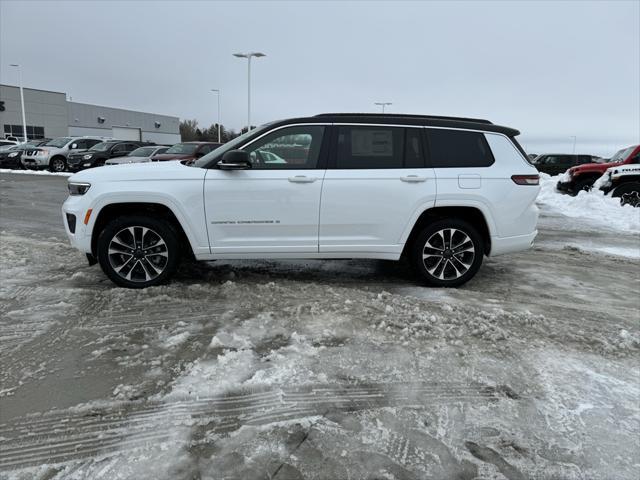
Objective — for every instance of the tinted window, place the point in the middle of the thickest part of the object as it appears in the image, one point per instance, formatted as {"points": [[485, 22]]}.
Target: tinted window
{"points": [[584, 159], [457, 148], [288, 148], [413, 157], [370, 147], [205, 149]]}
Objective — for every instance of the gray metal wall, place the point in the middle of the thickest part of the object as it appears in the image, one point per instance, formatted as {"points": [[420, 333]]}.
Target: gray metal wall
{"points": [[83, 117], [61, 118], [43, 109]]}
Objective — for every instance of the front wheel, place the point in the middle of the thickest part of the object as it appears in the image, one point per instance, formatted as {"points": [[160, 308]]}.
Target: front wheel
{"points": [[628, 193], [57, 164], [138, 252], [447, 253]]}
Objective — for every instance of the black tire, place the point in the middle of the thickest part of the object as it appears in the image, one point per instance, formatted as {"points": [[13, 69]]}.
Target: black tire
{"points": [[629, 193], [586, 185], [58, 164], [451, 274], [144, 272]]}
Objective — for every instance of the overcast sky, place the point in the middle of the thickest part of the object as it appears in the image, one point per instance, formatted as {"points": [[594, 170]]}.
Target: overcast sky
{"points": [[550, 69]]}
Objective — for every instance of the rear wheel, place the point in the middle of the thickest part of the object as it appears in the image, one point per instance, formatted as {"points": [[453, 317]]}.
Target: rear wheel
{"points": [[447, 253], [629, 194], [58, 164], [138, 252]]}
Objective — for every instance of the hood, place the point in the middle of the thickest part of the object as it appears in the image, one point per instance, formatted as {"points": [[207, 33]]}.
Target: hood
{"points": [[125, 160], [138, 172], [594, 167], [171, 156]]}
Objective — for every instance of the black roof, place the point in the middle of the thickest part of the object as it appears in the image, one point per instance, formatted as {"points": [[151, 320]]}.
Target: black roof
{"points": [[408, 119]]}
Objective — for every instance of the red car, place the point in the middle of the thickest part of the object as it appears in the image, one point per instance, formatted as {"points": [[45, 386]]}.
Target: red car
{"points": [[186, 151], [583, 177]]}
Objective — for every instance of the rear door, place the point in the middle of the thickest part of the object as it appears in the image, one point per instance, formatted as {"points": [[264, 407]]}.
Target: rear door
{"points": [[274, 206], [376, 185]]}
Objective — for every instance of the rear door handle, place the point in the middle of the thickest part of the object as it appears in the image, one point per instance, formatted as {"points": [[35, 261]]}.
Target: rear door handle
{"points": [[302, 179], [413, 179]]}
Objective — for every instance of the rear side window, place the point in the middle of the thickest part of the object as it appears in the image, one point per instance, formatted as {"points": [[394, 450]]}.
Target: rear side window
{"points": [[458, 149], [370, 147]]}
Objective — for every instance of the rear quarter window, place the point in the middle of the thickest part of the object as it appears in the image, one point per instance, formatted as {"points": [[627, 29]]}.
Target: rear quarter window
{"points": [[458, 149]]}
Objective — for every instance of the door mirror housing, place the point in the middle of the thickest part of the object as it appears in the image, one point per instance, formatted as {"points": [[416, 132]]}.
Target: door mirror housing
{"points": [[235, 160], [74, 146]]}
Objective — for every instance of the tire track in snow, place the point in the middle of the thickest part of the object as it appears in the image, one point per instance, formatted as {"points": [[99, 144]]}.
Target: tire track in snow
{"points": [[70, 435]]}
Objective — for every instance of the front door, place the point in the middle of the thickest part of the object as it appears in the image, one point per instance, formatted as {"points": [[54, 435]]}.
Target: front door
{"points": [[274, 206]]}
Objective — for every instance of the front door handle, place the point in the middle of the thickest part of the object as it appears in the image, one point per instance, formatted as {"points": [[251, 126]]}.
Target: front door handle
{"points": [[302, 179], [413, 179]]}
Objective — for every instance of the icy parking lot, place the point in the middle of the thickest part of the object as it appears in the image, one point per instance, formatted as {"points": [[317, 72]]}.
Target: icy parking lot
{"points": [[335, 369]]}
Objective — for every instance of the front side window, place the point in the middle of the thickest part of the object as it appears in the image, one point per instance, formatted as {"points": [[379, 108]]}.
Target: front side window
{"points": [[369, 147], [458, 149], [288, 148]]}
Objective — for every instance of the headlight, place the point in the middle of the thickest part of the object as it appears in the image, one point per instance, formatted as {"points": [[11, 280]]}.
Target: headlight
{"points": [[87, 157], [78, 188], [13, 154]]}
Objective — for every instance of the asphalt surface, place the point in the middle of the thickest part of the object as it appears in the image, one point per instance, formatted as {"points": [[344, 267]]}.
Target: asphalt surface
{"points": [[312, 369]]}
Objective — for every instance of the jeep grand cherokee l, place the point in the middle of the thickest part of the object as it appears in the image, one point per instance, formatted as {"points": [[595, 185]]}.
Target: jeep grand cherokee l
{"points": [[442, 192]]}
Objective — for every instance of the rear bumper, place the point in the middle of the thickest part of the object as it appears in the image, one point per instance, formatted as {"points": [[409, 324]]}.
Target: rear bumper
{"points": [[519, 243]]}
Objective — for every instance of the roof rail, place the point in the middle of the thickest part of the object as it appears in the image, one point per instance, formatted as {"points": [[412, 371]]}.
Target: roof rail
{"points": [[406, 115]]}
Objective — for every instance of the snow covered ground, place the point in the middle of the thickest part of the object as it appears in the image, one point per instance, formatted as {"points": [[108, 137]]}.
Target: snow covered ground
{"points": [[251, 370]]}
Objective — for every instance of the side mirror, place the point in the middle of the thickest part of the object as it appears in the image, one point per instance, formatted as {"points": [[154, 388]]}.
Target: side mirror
{"points": [[74, 146], [235, 160]]}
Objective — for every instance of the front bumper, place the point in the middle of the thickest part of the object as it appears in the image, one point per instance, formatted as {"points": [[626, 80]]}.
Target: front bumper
{"points": [[80, 237], [565, 187], [38, 162]]}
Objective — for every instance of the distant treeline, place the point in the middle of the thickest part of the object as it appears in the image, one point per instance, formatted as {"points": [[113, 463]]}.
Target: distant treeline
{"points": [[190, 132]]}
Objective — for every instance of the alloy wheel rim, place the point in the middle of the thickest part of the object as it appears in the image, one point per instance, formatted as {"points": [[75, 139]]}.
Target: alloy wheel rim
{"points": [[448, 254], [138, 254], [58, 165], [630, 198]]}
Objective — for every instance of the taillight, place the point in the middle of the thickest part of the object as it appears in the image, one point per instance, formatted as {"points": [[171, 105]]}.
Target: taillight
{"points": [[526, 179]]}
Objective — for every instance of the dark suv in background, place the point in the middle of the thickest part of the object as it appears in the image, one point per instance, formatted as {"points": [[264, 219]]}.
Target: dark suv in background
{"points": [[97, 155], [557, 163]]}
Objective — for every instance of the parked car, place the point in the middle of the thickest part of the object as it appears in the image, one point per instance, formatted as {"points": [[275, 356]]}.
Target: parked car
{"points": [[53, 154], [97, 155], [7, 143], [623, 182], [385, 195], [139, 155], [187, 151], [557, 163], [583, 177], [12, 157]]}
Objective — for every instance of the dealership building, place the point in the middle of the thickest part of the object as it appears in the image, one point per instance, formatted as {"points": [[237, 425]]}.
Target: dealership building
{"points": [[50, 114]]}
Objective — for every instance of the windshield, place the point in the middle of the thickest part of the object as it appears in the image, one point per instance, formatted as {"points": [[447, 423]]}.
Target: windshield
{"points": [[621, 155], [142, 152], [58, 142], [236, 142], [100, 147], [183, 148]]}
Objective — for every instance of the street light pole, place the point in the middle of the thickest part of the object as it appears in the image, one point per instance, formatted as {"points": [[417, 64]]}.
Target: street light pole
{"points": [[382, 104], [248, 56], [24, 118], [574, 143], [217, 92]]}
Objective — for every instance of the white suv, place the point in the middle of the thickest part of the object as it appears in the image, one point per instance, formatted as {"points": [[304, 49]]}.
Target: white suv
{"points": [[441, 191], [53, 154]]}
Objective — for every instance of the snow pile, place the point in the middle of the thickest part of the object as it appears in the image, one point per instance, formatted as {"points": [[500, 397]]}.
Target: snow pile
{"points": [[35, 172], [594, 208]]}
